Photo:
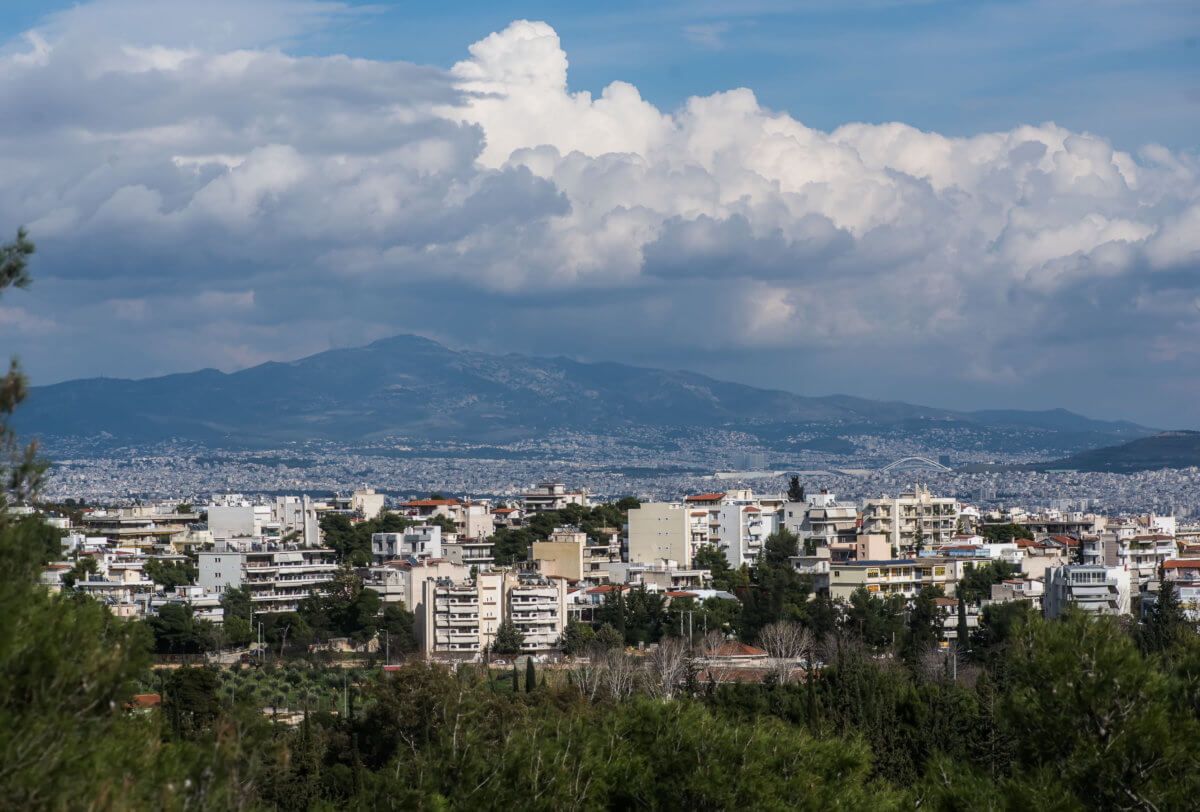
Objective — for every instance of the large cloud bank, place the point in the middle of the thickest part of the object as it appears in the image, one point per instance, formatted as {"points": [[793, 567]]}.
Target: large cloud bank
{"points": [[201, 199]]}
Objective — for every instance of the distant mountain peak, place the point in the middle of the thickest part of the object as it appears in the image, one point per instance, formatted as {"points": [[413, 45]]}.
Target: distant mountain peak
{"points": [[410, 385]]}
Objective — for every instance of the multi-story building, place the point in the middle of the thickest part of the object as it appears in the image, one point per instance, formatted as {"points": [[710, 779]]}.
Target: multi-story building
{"points": [[1093, 588], [475, 521], [366, 503], [662, 531], [550, 496], [462, 617], [736, 523], [1140, 553], [1184, 575], [1018, 589], [279, 576], [425, 509], [470, 552], [420, 542], [137, 526], [821, 520], [897, 576], [569, 553], [914, 518], [400, 581]]}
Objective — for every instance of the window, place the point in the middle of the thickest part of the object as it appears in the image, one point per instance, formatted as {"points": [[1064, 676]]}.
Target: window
{"points": [[872, 573]]}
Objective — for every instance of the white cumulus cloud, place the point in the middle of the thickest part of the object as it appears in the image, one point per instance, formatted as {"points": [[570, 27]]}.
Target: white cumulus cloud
{"points": [[333, 200]]}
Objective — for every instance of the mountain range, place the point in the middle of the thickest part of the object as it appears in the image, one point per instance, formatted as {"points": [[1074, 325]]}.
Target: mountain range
{"points": [[1169, 449], [414, 387]]}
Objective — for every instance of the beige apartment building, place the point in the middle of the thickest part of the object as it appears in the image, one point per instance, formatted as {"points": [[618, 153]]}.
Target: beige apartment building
{"points": [[461, 618], [569, 553], [898, 576], [913, 516]]}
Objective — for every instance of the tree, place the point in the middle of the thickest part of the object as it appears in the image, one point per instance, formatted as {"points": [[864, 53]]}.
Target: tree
{"points": [[1004, 532], [530, 676], [977, 580], [509, 638], [171, 574], [577, 638], [177, 631], [609, 637], [1165, 622], [924, 624], [398, 627], [190, 701], [710, 558], [795, 492], [83, 570]]}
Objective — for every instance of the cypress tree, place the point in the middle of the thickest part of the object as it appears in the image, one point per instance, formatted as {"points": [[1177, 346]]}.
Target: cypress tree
{"points": [[515, 678], [530, 676]]}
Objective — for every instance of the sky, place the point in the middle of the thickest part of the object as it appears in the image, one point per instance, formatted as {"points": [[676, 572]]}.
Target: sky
{"points": [[960, 204]]}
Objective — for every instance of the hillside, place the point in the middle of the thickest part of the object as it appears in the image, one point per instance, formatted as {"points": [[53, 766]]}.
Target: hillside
{"points": [[1170, 449], [411, 386]]}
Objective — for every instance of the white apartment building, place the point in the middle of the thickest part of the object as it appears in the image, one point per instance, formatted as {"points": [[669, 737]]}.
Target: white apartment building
{"points": [[419, 542], [912, 516], [735, 522], [470, 552], [475, 521], [548, 496], [462, 617], [367, 503], [1093, 588], [822, 519], [279, 576], [1122, 546]]}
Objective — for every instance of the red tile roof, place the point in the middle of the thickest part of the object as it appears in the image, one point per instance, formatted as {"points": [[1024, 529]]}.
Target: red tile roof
{"points": [[1181, 564], [430, 502], [706, 497], [681, 594], [140, 701]]}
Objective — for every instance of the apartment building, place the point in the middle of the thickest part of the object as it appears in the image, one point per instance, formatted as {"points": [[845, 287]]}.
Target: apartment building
{"points": [[475, 521], [662, 531], [460, 618], [469, 551], [367, 503], [279, 576], [913, 517], [735, 522], [137, 526], [569, 553], [550, 496], [1122, 546], [1017, 589], [401, 581], [821, 520], [419, 542], [896, 576], [1094, 588]]}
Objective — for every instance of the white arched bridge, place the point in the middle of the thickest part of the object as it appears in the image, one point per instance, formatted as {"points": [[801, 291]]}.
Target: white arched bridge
{"points": [[914, 464]]}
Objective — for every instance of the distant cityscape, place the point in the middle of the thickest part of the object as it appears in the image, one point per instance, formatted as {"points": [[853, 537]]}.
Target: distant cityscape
{"points": [[643, 463]]}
